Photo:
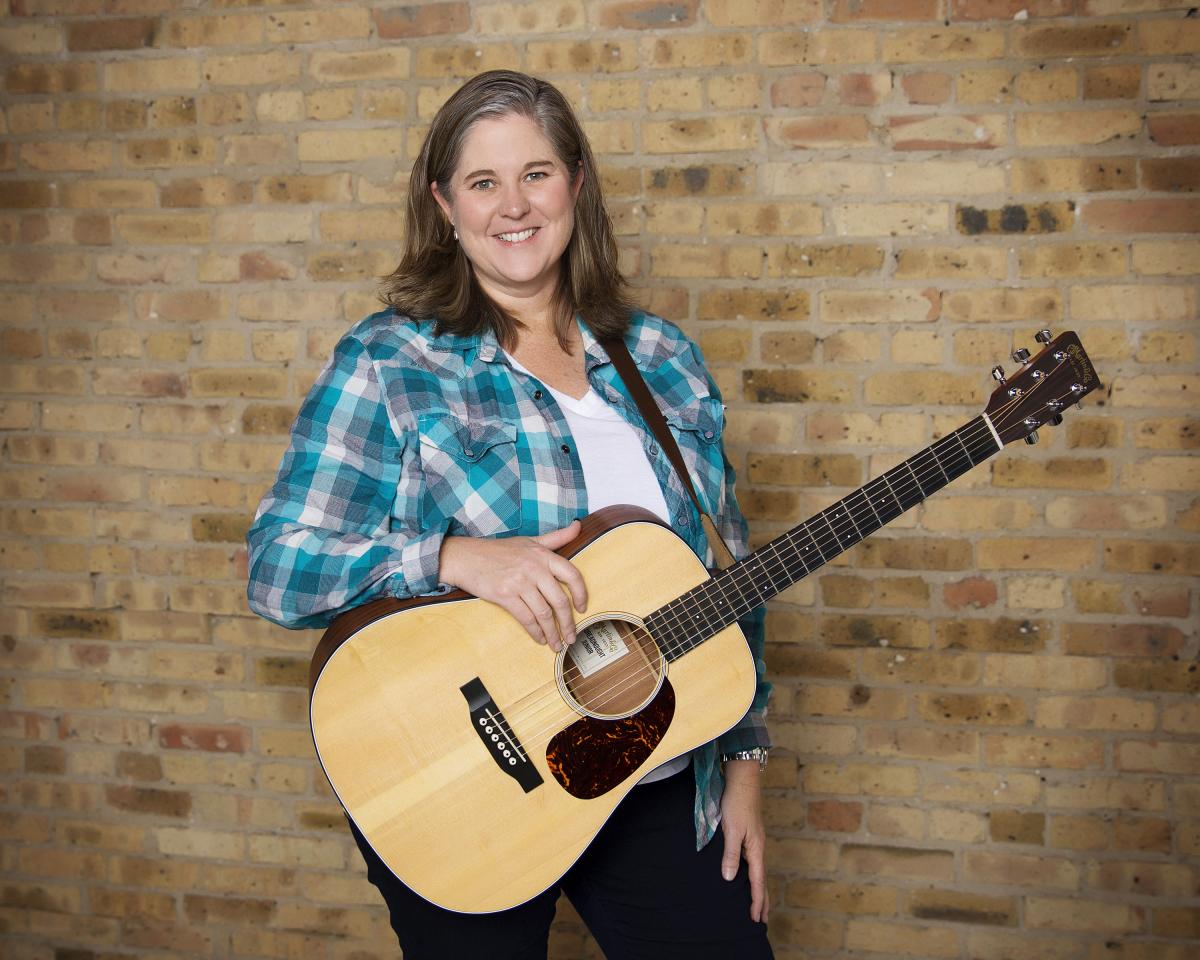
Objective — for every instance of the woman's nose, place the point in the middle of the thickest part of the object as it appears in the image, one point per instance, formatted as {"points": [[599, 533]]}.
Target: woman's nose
{"points": [[515, 204]]}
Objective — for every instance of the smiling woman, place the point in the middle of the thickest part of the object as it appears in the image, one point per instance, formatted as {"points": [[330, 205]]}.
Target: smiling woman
{"points": [[457, 440], [515, 217]]}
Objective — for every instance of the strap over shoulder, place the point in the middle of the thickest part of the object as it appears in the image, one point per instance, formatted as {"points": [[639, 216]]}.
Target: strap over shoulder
{"points": [[632, 377]]}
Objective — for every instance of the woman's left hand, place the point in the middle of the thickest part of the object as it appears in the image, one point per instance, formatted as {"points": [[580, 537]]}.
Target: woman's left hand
{"points": [[744, 833]]}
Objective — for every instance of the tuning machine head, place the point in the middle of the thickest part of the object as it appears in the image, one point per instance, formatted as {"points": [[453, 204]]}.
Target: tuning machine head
{"points": [[1020, 355], [1043, 336], [998, 374]]}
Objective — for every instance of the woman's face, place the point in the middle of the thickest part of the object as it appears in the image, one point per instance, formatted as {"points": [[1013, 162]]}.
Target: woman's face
{"points": [[512, 202]]}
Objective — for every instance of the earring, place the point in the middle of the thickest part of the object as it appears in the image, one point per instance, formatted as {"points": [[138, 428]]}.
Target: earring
{"points": [[455, 234]]}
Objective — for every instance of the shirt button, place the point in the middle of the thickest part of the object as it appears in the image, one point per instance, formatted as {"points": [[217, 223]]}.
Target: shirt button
{"points": [[653, 450], [537, 394], [565, 448], [708, 434]]}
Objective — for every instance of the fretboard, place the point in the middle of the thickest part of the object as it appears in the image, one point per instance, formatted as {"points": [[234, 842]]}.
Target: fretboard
{"points": [[707, 609]]}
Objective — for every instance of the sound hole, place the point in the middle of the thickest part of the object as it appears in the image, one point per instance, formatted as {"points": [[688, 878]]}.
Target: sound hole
{"points": [[613, 668]]}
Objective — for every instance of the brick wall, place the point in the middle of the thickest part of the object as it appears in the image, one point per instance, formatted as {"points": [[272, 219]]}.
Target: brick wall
{"points": [[986, 716]]}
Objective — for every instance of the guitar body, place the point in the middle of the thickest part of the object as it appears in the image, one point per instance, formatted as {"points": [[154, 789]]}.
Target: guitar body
{"points": [[415, 703]]}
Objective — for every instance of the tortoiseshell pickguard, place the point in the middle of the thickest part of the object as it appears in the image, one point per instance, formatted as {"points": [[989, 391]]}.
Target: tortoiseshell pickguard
{"points": [[592, 756]]}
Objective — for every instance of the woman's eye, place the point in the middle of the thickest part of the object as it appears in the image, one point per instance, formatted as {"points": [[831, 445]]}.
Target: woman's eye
{"points": [[536, 175], [481, 185]]}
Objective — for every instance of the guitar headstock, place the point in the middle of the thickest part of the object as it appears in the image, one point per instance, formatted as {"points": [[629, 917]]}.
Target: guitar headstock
{"points": [[1060, 375]]}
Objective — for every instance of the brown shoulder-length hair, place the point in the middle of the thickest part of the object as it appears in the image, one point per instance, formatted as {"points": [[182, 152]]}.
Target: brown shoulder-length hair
{"points": [[435, 280]]}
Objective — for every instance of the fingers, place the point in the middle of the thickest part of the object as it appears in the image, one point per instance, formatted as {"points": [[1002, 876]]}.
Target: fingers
{"points": [[524, 576], [760, 903], [732, 854], [737, 844]]}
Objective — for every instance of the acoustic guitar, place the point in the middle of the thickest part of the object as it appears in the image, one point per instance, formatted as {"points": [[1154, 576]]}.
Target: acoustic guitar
{"points": [[479, 765]]}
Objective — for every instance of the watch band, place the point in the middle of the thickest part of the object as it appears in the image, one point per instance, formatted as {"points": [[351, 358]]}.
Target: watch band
{"points": [[754, 753]]}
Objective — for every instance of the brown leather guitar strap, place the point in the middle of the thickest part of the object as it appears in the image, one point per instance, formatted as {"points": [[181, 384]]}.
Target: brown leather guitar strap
{"points": [[632, 377]]}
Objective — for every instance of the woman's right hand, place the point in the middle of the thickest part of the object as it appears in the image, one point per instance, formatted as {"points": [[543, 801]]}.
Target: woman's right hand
{"points": [[524, 576]]}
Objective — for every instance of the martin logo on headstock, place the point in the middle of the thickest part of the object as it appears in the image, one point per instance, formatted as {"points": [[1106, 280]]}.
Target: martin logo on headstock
{"points": [[1059, 376]]}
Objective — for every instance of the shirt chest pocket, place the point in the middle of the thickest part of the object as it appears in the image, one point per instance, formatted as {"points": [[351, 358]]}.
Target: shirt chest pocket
{"points": [[697, 428], [472, 475]]}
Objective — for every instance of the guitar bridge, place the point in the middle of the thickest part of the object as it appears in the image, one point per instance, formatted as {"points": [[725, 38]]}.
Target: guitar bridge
{"points": [[497, 736]]}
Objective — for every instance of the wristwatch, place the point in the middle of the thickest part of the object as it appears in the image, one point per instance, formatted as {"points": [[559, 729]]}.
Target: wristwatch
{"points": [[754, 753]]}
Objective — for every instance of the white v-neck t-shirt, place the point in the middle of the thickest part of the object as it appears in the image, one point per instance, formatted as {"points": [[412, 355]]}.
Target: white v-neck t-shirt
{"points": [[615, 470]]}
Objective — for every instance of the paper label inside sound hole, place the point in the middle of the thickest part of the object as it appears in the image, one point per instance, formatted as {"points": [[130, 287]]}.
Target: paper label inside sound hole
{"points": [[597, 647]]}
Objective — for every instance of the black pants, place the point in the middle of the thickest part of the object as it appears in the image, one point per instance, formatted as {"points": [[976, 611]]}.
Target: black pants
{"points": [[641, 887]]}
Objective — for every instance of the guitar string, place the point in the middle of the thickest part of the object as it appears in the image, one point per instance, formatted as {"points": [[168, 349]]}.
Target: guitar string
{"points": [[763, 557], [671, 625], [623, 681], [621, 684], [768, 555]]}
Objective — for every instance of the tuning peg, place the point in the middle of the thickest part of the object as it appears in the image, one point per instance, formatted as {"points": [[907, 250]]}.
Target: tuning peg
{"points": [[1056, 420], [1020, 355], [1032, 438], [1043, 336], [998, 374]]}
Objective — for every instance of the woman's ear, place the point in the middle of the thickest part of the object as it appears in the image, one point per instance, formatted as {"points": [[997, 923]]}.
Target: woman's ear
{"points": [[578, 184], [441, 201]]}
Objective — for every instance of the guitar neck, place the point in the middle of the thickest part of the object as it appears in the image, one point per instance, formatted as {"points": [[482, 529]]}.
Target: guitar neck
{"points": [[707, 609]]}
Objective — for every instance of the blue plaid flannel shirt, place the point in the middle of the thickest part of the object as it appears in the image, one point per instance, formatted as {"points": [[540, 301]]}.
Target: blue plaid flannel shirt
{"points": [[407, 436]]}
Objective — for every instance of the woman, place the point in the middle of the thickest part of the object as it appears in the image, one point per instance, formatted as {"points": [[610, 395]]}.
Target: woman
{"points": [[456, 439]]}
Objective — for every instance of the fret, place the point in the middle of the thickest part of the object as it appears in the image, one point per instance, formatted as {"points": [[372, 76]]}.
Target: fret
{"points": [[886, 505], [837, 538], [868, 520], [803, 529], [924, 489], [954, 455]]}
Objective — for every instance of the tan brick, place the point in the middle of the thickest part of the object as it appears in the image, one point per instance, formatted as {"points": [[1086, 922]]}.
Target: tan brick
{"points": [[1011, 869], [257, 69], [749, 13], [1059, 752], [970, 262], [848, 260], [700, 136], [173, 73], [567, 56], [213, 31], [391, 63], [941, 45], [971, 708], [1060, 174], [822, 179], [897, 862], [879, 780], [1158, 757], [1005, 305], [1175, 258], [1078, 128], [1057, 913], [1143, 878]]}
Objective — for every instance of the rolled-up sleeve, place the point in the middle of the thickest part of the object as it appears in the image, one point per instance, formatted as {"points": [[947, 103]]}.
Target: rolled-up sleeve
{"points": [[342, 523]]}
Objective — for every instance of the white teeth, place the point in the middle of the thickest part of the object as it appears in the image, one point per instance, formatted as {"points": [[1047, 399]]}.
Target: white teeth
{"points": [[517, 237]]}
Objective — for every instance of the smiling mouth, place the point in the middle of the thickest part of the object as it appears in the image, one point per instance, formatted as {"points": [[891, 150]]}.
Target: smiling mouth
{"points": [[519, 236]]}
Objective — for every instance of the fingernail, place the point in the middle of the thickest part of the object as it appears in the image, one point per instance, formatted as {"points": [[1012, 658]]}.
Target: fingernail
{"points": [[728, 873]]}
